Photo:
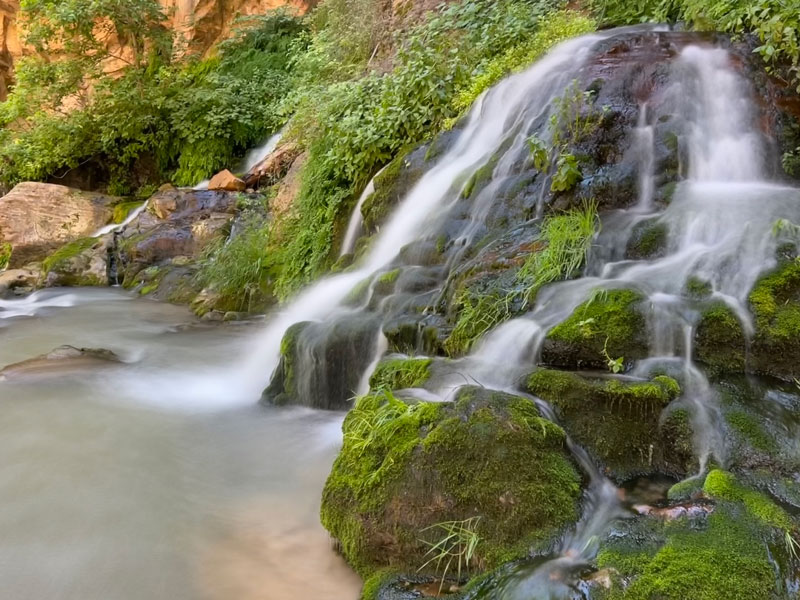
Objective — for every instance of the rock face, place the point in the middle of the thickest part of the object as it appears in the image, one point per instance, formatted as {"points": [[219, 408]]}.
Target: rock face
{"points": [[64, 359], [161, 241], [36, 218], [83, 262], [274, 167], [488, 461], [200, 23]]}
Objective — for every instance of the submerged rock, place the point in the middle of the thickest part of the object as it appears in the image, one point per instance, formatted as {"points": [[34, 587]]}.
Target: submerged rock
{"points": [[62, 360], [487, 462]]}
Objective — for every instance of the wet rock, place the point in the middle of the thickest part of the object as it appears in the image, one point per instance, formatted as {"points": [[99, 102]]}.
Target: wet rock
{"points": [[274, 167], [322, 364], [62, 360], [83, 262], [18, 281], [608, 327], [37, 218], [227, 182], [619, 422], [488, 460], [392, 185]]}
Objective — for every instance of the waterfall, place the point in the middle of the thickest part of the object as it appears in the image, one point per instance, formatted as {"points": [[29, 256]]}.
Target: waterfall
{"points": [[252, 159], [120, 226], [718, 225], [356, 222], [507, 110]]}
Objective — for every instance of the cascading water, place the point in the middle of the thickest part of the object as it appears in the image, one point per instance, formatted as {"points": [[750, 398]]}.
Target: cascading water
{"points": [[718, 222]]}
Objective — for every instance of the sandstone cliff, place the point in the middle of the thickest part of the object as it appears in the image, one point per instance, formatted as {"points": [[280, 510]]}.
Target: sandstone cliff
{"points": [[200, 22]]}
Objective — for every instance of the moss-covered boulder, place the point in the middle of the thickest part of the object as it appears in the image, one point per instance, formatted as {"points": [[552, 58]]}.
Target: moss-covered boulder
{"points": [[620, 423], [720, 342], [322, 364], [608, 327], [83, 262], [488, 461], [775, 303], [730, 550]]}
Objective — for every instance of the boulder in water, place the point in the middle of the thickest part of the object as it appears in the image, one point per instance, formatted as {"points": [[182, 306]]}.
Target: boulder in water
{"points": [[62, 360], [488, 463], [18, 281], [620, 423]]}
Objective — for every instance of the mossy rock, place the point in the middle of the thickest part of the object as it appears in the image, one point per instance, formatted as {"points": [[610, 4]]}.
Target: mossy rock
{"points": [[729, 550], [392, 185], [648, 241], [721, 555], [775, 303], [610, 325], [406, 467], [123, 209], [620, 423], [720, 342], [400, 373], [322, 364], [82, 262]]}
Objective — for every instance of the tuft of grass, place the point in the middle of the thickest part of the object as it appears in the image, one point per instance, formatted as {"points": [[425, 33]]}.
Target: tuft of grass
{"points": [[456, 546], [478, 315], [568, 238]]}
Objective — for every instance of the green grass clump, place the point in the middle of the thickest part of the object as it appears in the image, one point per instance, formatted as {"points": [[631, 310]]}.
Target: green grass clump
{"points": [[5, 255], [400, 373], [567, 239], [239, 269], [477, 315]]}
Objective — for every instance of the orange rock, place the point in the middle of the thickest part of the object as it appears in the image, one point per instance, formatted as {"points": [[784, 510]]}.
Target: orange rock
{"points": [[227, 181]]}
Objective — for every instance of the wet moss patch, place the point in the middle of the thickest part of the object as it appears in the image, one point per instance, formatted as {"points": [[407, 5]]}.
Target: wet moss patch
{"points": [[619, 423], [400, 373], [608, 324]]}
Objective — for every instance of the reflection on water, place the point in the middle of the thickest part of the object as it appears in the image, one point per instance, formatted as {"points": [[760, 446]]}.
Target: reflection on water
{"points": [[160, 478]]}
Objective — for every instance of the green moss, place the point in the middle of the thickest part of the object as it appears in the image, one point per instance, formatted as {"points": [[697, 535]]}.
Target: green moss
{"points": [[123, 209], [609, 322], [5, 255], [697, 288], [384, 285], [480, 178], [749, 428], [358, 294], [683, 490], [648, 241], [720, 341], [775, 302], [67, 252], [390, 186], [406, 466], [618, 422], [722, 485], [149, 289], [726, 560], [401, 373], [375, 583]]}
